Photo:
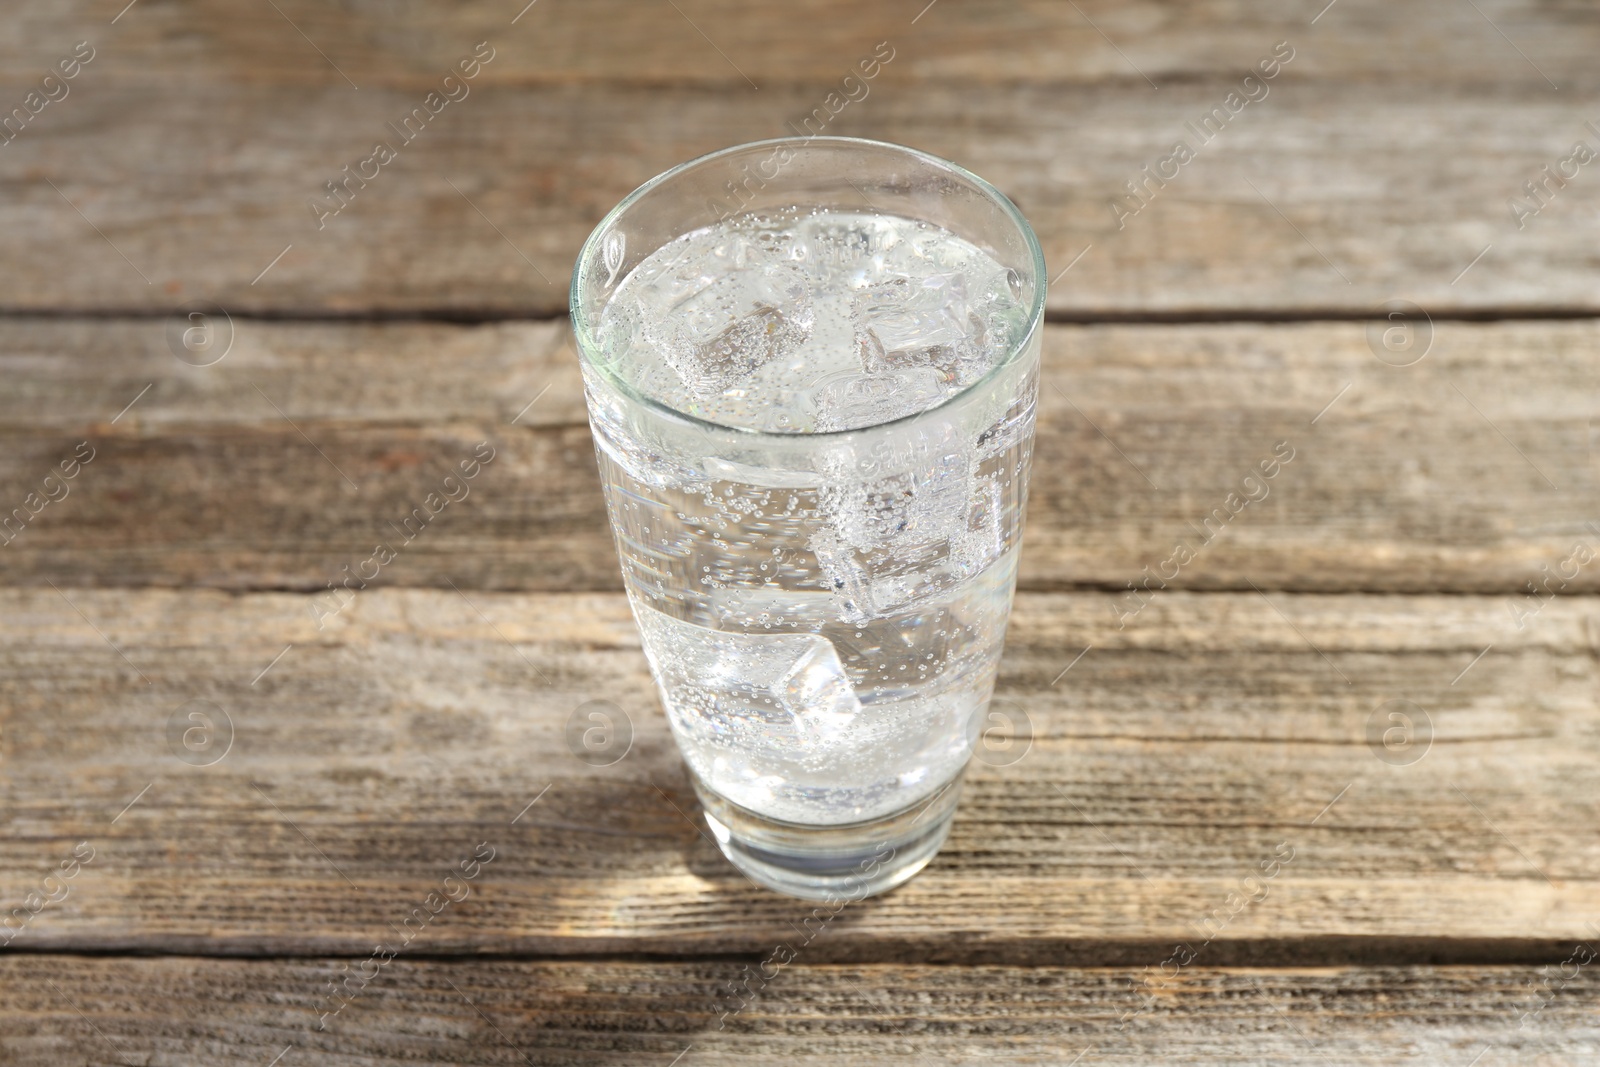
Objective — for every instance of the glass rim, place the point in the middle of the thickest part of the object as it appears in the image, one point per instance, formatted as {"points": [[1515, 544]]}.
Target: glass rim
{"points": [[584, 340]]}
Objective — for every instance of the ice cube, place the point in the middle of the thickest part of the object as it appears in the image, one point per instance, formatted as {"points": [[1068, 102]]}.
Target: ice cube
{"points": [[851, 400], [894, 522], [984, 539], [816, 692], [913, 490], [758, 690], [997, 306], [909, 320], [722, 331], [874, 584]]}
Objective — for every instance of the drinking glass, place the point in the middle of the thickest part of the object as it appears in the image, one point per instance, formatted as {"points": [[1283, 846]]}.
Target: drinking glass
{"points": [[818, 530]]}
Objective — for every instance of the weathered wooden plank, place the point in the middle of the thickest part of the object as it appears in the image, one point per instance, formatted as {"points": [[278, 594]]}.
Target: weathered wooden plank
{"points": [[183, 1012], [980, 41], [1362, 192], [1422, 478], [1186, 750]]}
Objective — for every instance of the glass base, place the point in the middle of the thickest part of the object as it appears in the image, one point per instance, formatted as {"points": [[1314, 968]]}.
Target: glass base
{"points": [[831, 863]]}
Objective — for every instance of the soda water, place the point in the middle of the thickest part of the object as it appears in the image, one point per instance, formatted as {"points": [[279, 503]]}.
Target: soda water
{"points": [[822, 609]]}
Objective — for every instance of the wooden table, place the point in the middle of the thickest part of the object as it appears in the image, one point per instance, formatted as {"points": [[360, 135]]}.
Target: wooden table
{"points": [[392, 769]]}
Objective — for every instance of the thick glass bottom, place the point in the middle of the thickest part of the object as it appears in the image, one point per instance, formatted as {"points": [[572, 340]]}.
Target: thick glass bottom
{"points": [[831, 863]]}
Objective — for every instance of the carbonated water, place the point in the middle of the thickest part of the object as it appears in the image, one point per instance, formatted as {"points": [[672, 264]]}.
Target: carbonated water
{"points": [[822, 609]]}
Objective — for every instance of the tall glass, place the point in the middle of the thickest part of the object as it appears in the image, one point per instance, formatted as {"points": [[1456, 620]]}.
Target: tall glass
{"points": [[817, 493]]}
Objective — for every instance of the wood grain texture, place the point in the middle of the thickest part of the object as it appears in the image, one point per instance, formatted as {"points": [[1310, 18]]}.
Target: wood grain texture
{"points": [[1425, 478], [179, 1013], [984, 42], [1328, 196], [1174, 744], [1185, 750]]}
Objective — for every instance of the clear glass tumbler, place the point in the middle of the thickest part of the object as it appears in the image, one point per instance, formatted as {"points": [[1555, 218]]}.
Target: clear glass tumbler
{"points": [[811, 366]]}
